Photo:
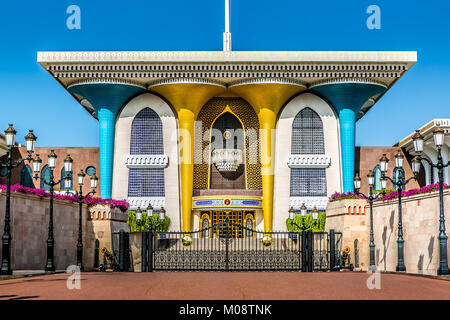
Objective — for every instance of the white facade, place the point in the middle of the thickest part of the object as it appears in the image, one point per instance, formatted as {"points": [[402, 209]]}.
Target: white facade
{"points": [[284, 160], [168, 161]]}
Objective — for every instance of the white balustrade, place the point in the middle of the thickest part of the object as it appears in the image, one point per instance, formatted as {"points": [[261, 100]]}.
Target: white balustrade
{"points": [[309, 161], [147, 161]]}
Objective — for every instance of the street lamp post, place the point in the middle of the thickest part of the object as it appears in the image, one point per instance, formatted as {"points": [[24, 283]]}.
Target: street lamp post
{"points": [[399, 183], [50, 265], [151, 228], [81, 197], [370, 198], [304, 251], [438, 137], [147, 235], [303, 211], [30, 139]]}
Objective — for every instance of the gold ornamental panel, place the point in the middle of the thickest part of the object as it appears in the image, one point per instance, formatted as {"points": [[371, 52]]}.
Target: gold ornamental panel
{"points": [[246, 114]]}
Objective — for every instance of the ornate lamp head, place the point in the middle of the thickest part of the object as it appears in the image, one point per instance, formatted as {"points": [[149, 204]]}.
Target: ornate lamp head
{"points": [[370, 178], [384, 161], [30, 140], [303, 210], [357, 182], [10, 135], [417, 139], [139, 214], [68, 161], [399, 159], [52, 159], [415, 164], [438, 135], [291, 214]]}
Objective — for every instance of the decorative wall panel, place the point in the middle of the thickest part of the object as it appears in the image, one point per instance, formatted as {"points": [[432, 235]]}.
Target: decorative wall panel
{"points": [[210, 111]]}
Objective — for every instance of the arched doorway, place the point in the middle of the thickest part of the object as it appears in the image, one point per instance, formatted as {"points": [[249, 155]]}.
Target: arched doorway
{"points": [[227, 153]]}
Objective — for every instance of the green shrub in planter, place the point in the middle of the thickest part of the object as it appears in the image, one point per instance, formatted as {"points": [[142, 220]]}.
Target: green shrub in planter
{"points": [[132, 222], [319, 227]]}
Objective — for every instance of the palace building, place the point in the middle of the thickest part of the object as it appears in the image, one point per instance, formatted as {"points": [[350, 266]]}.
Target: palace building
{"points": [[244, 135]]}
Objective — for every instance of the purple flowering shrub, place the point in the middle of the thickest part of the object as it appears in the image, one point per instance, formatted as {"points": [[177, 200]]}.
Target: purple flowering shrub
{"points": [[390, 194], [90, 200]]}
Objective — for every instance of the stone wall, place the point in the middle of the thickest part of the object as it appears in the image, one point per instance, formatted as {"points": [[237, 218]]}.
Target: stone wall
{"points": [[420, 216], [350, 218], [29, 229]]}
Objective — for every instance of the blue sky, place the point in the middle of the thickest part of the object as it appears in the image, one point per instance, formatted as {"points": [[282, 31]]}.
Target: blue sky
{"points": [[30, 98]]}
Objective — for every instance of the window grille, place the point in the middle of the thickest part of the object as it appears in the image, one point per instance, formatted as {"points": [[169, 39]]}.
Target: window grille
{"points": [[146, 133], [147, 182], [309, 182], [63, 175], [146, 138], [398, 175], [377, 173], [45, 176], [307, 138], [26, 177], [307, 133]]}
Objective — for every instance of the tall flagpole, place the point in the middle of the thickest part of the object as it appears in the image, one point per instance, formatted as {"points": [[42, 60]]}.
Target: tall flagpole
{"points": [[227, 33]]}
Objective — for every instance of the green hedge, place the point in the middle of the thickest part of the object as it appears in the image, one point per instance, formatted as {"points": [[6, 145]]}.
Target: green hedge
{"points": [[319, 227], [132, 222]]}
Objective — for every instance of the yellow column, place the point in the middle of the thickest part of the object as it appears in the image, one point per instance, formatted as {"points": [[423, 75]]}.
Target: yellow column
{"points": [[186, 119], [267, 120], [267, 100], [187, 99]]}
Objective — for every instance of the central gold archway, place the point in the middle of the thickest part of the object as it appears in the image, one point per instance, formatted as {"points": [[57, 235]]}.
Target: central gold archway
{"points": [[187, 96], [267, 96]]}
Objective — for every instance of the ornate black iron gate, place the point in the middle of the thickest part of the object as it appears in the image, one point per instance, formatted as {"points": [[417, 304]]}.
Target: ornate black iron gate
{"points": [[218, 248]]}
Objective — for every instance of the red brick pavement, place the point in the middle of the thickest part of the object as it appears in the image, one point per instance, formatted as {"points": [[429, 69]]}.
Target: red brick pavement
{"points": [[225, 286]]}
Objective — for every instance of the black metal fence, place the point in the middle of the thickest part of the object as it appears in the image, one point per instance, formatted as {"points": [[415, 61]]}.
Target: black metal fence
{"points": [[231, 247]]}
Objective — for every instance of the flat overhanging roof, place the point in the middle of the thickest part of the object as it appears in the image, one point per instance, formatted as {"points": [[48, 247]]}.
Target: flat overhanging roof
{"points": [[145, 68]]}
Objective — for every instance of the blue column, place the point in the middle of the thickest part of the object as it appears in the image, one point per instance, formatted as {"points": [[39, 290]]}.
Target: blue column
{"points": [[347, 99], [107, 100], [347, 119], [107, 124]]}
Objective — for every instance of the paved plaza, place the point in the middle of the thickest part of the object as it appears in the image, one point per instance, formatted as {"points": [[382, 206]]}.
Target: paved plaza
{"points": [[225, 286]]}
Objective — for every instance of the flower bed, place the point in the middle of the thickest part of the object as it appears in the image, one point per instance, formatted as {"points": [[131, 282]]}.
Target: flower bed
{"points": [[390, 194], [91, 201]]}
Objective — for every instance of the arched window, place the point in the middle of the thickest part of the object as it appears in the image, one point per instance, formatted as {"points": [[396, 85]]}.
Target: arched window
{"points": [[249, 225], [377, 173], [147, 133], [45, 176], [63, 175], [26, 177], [307, 133], [399, 174], [307, 138], [205, 226], [146, 138], [227, 133]]}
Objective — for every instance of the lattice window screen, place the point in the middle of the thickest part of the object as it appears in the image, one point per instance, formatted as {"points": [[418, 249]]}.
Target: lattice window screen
{"points": [[146, 133], [148, 182], [307, 133], [146, 138], [308, 182], [307, 138]]}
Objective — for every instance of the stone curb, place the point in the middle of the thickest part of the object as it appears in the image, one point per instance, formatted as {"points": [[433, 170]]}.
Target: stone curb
{"points": [[447, 278], [18, 276]]}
